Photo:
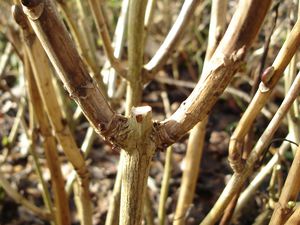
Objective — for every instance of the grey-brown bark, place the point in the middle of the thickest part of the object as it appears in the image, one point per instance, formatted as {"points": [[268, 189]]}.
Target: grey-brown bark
{"points": [[227, 59], [130, 133]]}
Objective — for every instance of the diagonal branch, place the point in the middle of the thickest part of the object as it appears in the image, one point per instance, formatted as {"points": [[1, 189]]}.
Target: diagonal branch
{"points": [[227, 59], [294, 218], [238, 179], [195, 146], [61, 51], [270, 78], [289, 193], [16, 196], [103, 32], [171, 41]]}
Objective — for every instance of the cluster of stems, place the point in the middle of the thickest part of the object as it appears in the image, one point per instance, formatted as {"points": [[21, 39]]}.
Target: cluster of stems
{"points": [[45, 38]]}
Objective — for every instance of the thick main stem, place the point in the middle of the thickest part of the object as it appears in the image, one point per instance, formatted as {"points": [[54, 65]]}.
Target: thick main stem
{"points": [[134, 183], [136, 158], [135, 166]]}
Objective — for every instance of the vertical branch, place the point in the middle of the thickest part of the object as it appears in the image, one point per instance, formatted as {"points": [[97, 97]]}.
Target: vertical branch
{"points": [[60, 198], [136, 158], [135, 52], [196, 139], [113, 214], [32, 147], [103, 32], [164, 190], [163, 195], [40, 66], [135, 166]]}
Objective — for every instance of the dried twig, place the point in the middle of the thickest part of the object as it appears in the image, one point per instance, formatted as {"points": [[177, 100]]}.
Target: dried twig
{"points": [[171, 41], [224, 63], [238, 179], [40, 66], [103, 32], [15, 195], [196, 139], [62, 211], [288, 194], [262, 95]]}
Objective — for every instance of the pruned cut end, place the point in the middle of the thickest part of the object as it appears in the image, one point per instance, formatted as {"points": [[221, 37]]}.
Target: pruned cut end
{"points": [[141, 110]]}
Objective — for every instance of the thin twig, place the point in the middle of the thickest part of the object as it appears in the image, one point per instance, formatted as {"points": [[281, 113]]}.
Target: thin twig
{"points": [[238, 179], [15, 195], [171, 41], [250, 191], [103, 32], [167, 168], [5, 57], [262, 95], [109, 74], [288, 194]]}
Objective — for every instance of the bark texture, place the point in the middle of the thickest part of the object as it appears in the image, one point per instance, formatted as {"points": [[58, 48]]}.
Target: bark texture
{"points": [[225, 62]]}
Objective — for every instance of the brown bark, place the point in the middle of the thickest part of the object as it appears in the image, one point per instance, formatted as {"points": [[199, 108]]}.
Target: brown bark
{"points": [[270, 78], [40, 66], [61, 51], [171, 41], [227, 59], [62, 211], [117, 129], [135, 167]]}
